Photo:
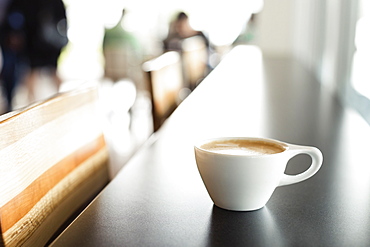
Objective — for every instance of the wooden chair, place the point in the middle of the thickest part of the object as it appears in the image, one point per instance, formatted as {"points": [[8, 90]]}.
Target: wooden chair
{"points": [[53, 161], [194, 59], [165, 81]]}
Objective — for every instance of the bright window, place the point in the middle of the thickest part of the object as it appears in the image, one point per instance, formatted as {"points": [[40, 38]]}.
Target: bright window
{"points": [[359, 93], [361, 59]]}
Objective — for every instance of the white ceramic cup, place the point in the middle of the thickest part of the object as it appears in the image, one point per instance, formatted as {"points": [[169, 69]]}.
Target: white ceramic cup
{"points": [[244, 182]]}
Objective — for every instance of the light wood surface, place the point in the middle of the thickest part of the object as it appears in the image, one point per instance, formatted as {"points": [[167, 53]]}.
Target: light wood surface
{"points": [[54, 159]]}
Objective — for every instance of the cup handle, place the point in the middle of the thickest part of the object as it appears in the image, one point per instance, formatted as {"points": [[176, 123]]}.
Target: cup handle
{"points": [[317, 160]]}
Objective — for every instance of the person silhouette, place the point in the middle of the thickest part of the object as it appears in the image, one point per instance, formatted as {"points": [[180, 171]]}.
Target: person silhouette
{"points": [[46, 37], [35, 32], [179, 30], [12, 43], [123, 53]]}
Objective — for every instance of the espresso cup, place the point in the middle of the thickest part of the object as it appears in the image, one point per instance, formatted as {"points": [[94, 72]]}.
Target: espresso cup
{"points": [[241, 173]]}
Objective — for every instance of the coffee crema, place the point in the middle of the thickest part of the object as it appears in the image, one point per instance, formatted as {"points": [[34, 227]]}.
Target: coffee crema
{"points": [[243, 147]]}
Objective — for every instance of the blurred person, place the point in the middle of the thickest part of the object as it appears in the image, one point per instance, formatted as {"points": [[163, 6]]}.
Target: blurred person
{"points": [[12, 43], [3, 7], [123, 54], [179, 30], [194, 48], [45, 35]]}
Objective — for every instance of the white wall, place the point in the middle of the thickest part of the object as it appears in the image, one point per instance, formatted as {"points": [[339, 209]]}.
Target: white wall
{"points": [[309, 32], [275, 27], [315, 32], [293, 28]]}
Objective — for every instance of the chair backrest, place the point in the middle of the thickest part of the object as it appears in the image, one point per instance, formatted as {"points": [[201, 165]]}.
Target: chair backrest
{"points": [[165, 81], [194, 59], [53, 161]]}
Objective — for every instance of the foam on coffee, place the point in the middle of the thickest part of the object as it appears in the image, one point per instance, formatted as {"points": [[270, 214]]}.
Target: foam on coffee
{"points": [[243, 147]]}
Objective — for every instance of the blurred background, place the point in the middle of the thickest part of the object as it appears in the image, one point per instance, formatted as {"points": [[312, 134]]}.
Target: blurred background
{"points": [[117, 44]]}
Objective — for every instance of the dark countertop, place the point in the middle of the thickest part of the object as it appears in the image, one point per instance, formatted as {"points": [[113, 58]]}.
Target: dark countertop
{"points": [[158, 198]]}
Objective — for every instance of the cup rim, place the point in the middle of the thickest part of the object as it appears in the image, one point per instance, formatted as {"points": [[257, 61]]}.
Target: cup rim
{"points": [[198, 145]]}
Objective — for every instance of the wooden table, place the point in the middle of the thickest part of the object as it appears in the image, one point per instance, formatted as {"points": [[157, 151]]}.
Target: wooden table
{"points": [[158, 198]]}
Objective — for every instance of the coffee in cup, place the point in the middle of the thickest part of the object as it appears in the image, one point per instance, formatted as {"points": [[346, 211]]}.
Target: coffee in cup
{"points": [[243, 147], [241, 173]]}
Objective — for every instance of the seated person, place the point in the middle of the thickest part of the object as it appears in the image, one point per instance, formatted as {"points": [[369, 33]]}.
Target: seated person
{"points": [[180, 29]]}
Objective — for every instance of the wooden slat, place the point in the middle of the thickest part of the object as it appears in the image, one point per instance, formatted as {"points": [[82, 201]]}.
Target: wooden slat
{"points": [[53, 159], [24, 229], [45, 141], [22, 122], [24, 201]]}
